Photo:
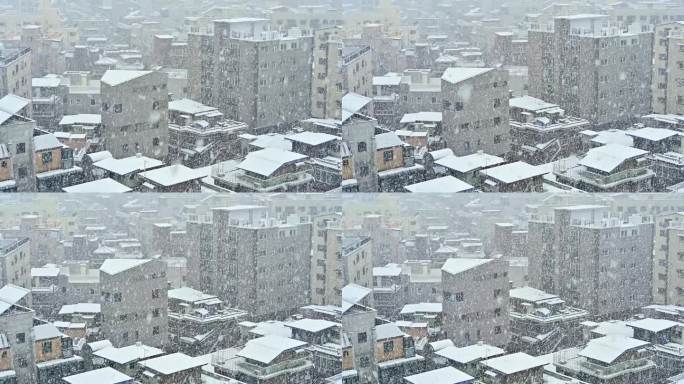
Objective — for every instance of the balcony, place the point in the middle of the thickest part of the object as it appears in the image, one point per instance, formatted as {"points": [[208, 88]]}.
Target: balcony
{"points": [[583, 366], [240, 365]]}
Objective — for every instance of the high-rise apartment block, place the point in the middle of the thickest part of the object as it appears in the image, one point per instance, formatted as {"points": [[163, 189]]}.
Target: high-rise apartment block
{"points": [[593, 70]]}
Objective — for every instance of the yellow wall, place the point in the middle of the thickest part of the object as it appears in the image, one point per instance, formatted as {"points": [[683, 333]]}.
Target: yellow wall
{"points": [[347, 361], [6, 361], [396, 353], [6, 172], [56, 162], [56, 350], [397, 160], [347, 171]]}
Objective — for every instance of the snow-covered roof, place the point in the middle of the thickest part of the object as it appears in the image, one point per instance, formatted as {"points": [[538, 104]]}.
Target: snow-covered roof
{"points": [[465, 355], [388, 270], [446, 375], [387, 140], [354, 293], [80, 308], [654, 325], [312, 138], [421, 308], [389, 79], [531, 294], [45, 142], [608, 348], [270, 140], [46, 271], [116, 266], [457, 75], [512, 172], [190, 107], [266, 161], [268, 348], [11, 104], [128, 354], [106, 185], [170, 364], [387, 331], [84, 118], [105, 375], [115, 77], [653, 134], [172, 175], [312, 325], [455, 266], [46, 331], [353, 103], [46, 82], [611, 136], [531, 104], [608, 157], [128, 165], [12, 294], [189, 295], [513, 363], [446, 184], [468, 163], [433, 117]]}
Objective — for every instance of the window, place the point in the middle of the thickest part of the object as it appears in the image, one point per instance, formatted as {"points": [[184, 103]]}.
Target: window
{"points": [[497, 139], [497, 293], [155, 312], [155, 142], [497, 120], [361, 147], [117, 297], [388, 156], [46, 157], [388, 346], [497, 330], [155, 330], [124, 148], [124, 336], [155, 105], [458, 106], [497, 103], [362, 337], [118, 108], [21, 338], [3, 164], [21, 148], [47, 347], [155, 293], [364, 361]]}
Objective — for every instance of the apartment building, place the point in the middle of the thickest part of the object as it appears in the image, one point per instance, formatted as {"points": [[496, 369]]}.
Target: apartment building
{"points": [[16, 322], [475, 301], [134, 113], [359, 172], [324, 251], [16, 145], [15, 72], [134, 290], [54, 164], [249, 276], [326, 83], [585, 238], [668, 259], [563, 68], [245, 76], [15, 262], [668, 69], [475, 110]]}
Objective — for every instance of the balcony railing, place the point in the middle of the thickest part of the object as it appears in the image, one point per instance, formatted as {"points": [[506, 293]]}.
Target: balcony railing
{"points": [[614, 177]]}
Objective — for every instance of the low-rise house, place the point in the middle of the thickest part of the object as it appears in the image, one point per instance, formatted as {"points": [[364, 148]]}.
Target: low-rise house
{"points": [[54, 357], [395, 163], [85, 123], [610, 168], [174, 178], [314, 331], [464, 168], [541, 132], [268, 170], [613, 357], [54, 164], [446, 375], [657, 140], [123, 170], [199, 322], [513, 177], [124, 359], [199, 134], [388, 289], [541, 323], [47, 101], [45, 289], [430, 313], [667, 343], [89, 313], [171, 369], [268, 360], [668, 168], [395, 355], [467, 359], [512, 369]]}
